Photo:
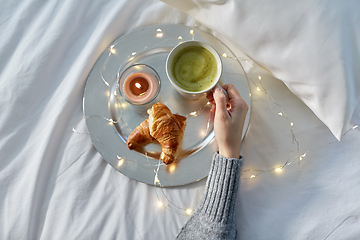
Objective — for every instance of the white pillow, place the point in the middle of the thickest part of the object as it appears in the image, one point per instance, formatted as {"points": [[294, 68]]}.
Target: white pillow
{"points": [[312, 46]]}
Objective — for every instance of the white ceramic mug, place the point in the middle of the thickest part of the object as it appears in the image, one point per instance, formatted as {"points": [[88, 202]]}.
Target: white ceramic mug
{"points": [[170, 74]]}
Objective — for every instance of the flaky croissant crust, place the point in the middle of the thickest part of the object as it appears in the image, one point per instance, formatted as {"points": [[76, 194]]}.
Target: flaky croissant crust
{"points": [[167, 129], [140, 136], [162, 126]]}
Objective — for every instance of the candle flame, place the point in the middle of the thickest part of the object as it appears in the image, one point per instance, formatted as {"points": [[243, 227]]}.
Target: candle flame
{"points": [[138, 85]]}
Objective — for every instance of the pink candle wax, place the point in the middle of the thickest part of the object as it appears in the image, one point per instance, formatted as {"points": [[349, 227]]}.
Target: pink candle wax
{"points": [[140, 87]]}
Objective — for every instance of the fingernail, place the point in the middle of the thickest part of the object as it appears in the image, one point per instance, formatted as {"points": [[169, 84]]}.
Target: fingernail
{"points": [[217, 89]]}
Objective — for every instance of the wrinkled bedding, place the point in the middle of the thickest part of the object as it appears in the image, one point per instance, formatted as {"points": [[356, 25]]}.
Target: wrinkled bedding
{"points": [[55, 185]]}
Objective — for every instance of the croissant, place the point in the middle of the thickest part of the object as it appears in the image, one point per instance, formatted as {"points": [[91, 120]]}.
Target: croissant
{"points": [[140, 136], [167, 129]]}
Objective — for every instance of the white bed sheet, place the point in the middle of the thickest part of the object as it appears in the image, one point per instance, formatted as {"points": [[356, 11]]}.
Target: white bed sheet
{"points": [[311, 45], [55, 185]]}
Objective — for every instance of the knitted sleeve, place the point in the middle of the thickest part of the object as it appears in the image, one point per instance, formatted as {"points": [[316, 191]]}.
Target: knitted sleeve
{"points": [[215, 216]]}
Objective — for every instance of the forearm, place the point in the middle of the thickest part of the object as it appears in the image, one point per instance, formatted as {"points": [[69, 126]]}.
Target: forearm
{"points": [[215, 216]]}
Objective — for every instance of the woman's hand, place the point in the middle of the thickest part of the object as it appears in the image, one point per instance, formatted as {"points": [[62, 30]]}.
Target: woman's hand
{"points": [[229, 119]]}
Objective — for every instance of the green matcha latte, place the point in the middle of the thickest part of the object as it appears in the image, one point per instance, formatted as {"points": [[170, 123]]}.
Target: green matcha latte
{"points": [[194, 68]]}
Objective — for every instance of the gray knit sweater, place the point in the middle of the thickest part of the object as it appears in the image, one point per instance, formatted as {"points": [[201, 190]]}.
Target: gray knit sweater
{"points": [[215, 216]]}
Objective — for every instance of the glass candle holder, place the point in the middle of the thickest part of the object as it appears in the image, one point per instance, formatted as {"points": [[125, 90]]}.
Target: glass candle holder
{"points": [[140, 86]]}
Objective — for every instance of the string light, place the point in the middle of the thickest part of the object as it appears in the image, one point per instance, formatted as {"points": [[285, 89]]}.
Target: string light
{"points": [[156, 179], [300, 157], [124, 105], [278, 169], [111, 122], [112, 49], [160, 33], [120, 162], [226, 56], [173, 168]]}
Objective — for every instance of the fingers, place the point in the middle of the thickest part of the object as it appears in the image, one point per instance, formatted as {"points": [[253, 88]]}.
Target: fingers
{"points": [[235, 103], [229, 88], [232, 91], [211, 100], [210, 96], [220, 102]]}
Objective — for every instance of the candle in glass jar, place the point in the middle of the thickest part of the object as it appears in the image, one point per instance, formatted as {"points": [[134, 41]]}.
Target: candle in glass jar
{"points": [[140, 87]]}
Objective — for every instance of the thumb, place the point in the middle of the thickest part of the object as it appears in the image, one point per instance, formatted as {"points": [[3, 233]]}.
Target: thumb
{"points": [[220, 101]]}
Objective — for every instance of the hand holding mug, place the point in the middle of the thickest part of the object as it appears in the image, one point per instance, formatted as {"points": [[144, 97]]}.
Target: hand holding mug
{"points": [[229, 119]]}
